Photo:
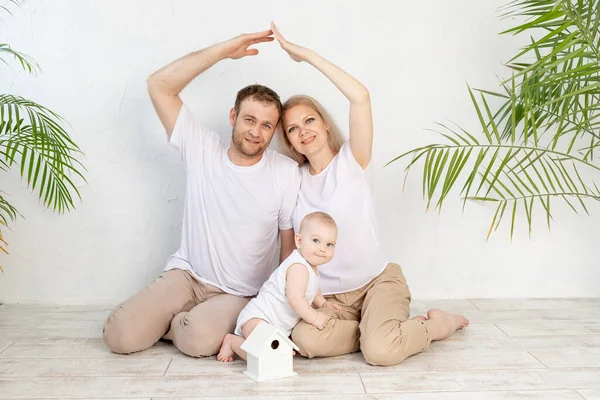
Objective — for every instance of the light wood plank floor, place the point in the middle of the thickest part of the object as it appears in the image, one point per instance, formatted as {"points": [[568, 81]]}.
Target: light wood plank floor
{"points": [[514, 349]]}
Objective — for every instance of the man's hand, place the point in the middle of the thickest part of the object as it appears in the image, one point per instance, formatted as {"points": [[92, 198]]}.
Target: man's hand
{"points": [[332, 305], [238, 46]]}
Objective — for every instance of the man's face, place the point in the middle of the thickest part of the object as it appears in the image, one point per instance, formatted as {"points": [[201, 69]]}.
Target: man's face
{"points": [[253, 127]]}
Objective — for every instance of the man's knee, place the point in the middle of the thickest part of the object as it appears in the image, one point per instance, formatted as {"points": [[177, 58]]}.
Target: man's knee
{"points": [[196, 339], [119, 336]]}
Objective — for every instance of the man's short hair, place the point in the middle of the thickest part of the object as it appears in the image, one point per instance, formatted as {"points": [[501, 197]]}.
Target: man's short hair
{"points": [[259, 93]]}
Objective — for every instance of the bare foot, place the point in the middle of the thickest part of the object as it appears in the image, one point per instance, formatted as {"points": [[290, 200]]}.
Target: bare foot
{"points": [[442, 324], [226, 352], [420, 318]]}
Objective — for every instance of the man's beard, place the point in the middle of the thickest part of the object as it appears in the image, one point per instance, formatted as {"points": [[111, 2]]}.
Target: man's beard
{"points": [[239, 141]]}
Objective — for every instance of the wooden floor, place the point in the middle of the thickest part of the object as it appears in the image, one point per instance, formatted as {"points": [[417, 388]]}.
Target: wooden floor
{"points": [[514, 349]]}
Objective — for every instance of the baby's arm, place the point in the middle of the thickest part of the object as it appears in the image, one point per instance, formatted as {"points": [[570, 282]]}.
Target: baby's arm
{"points": [[320, 302], [295, 289]]}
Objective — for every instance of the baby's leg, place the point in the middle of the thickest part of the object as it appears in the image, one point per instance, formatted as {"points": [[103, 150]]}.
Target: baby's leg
{"points": [[232, 343]]}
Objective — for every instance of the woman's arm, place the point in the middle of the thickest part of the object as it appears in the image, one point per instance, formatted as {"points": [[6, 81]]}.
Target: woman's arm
{"points": [[361, 118]]}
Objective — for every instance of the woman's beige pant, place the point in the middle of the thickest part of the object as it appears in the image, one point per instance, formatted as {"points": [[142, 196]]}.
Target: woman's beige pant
{"points": [[374, 320]]}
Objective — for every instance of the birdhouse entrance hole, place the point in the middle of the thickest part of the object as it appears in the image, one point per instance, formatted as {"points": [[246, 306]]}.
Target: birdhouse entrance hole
{"points": [[275, 344]]}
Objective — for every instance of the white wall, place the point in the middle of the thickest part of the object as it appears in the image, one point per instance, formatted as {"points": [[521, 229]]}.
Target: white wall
{"points": [[414, 56]]}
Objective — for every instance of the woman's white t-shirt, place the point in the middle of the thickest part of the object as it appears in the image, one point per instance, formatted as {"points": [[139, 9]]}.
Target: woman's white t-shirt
{"points": [[341, 190]]}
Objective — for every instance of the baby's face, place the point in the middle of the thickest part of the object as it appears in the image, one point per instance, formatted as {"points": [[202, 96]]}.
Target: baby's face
{"points": [[318, 243]]}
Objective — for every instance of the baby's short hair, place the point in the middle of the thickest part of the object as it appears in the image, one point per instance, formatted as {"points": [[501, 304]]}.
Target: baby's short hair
{"points": [[320, 217]]}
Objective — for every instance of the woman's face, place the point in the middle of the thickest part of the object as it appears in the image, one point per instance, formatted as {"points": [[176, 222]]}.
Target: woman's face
{"points": [[305, 129]]}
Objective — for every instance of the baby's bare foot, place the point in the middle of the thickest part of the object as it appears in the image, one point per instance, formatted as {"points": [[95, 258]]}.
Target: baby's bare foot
{"points": [[226, 352], [442, 324]]}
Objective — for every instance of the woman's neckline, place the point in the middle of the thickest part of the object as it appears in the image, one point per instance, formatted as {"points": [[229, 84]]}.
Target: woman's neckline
{"points": [[324, 169]]}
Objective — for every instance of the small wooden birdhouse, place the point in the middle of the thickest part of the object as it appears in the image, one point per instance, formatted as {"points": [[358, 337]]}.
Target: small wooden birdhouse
{"points": [[269, 354]]}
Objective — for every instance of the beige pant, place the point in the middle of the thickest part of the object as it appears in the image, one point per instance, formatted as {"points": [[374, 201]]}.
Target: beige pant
{"points": [[194, 315], [374, 320]]}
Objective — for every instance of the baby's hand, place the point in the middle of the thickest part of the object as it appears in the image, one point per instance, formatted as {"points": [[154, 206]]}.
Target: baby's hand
{"points": [[332, 305], [320, 321]]}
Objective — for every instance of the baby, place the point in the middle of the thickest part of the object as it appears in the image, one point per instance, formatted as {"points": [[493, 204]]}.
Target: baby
{"points": [[287, 296]]}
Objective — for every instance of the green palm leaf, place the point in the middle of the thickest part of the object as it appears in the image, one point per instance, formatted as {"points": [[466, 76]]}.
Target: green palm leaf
{"points": [[506, 171], [544, 132], [27, 63], [32, 137], [560, 89]]}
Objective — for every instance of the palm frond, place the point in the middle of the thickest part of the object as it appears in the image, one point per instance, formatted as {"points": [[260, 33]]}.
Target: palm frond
{"points": [[512, 171], [4, 8], [27, 63], [560, 88], [546, 128], [32, 137], [6, 211]]}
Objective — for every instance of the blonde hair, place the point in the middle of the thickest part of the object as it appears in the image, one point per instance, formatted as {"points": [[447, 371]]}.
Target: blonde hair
{"points": [[334, 138], [320, 217]]}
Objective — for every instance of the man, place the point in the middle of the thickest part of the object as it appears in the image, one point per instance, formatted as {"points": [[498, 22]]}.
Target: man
{"points": [[239, 198]]}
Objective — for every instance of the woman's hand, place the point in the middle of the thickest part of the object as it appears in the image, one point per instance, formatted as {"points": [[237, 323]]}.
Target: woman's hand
{"points": [[361, 118], [297, 53]]}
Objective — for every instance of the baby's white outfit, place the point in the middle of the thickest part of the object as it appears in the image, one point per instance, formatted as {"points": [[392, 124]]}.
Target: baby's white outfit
{"points": [[271, 303]]}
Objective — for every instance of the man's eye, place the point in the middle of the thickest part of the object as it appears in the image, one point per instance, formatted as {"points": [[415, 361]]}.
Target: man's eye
{"points": [[267, 126], [249, 120]]}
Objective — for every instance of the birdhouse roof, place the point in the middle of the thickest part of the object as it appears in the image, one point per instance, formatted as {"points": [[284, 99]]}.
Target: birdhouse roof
{"points": [[261, 337]]}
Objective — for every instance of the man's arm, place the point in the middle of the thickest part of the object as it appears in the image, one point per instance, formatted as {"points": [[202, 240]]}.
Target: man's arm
{"points": [[165, 84], [287, 244]]}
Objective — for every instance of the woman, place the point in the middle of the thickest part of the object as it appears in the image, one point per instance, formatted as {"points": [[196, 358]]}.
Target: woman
{"points": [[372, 292]]}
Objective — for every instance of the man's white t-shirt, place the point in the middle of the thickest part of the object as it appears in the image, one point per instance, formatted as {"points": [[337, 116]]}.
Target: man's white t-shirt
{"points": [[232, 214], [342, 191]]}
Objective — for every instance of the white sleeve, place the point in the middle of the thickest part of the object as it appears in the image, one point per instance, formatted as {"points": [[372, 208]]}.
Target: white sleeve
{"points": [[189, 137], [290, 197], [349, 161]]}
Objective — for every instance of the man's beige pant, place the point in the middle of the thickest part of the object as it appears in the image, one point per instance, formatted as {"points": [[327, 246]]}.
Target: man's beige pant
{"points": [[194, 315], [374, 320]]}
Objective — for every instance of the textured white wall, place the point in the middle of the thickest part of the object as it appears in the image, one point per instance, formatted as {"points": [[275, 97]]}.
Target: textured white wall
{"points": [[415, 57]]}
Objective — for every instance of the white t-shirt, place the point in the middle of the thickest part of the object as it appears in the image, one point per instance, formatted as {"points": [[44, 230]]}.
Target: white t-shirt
{"points": [[271, 303], [342, 191], [232, 214]]}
